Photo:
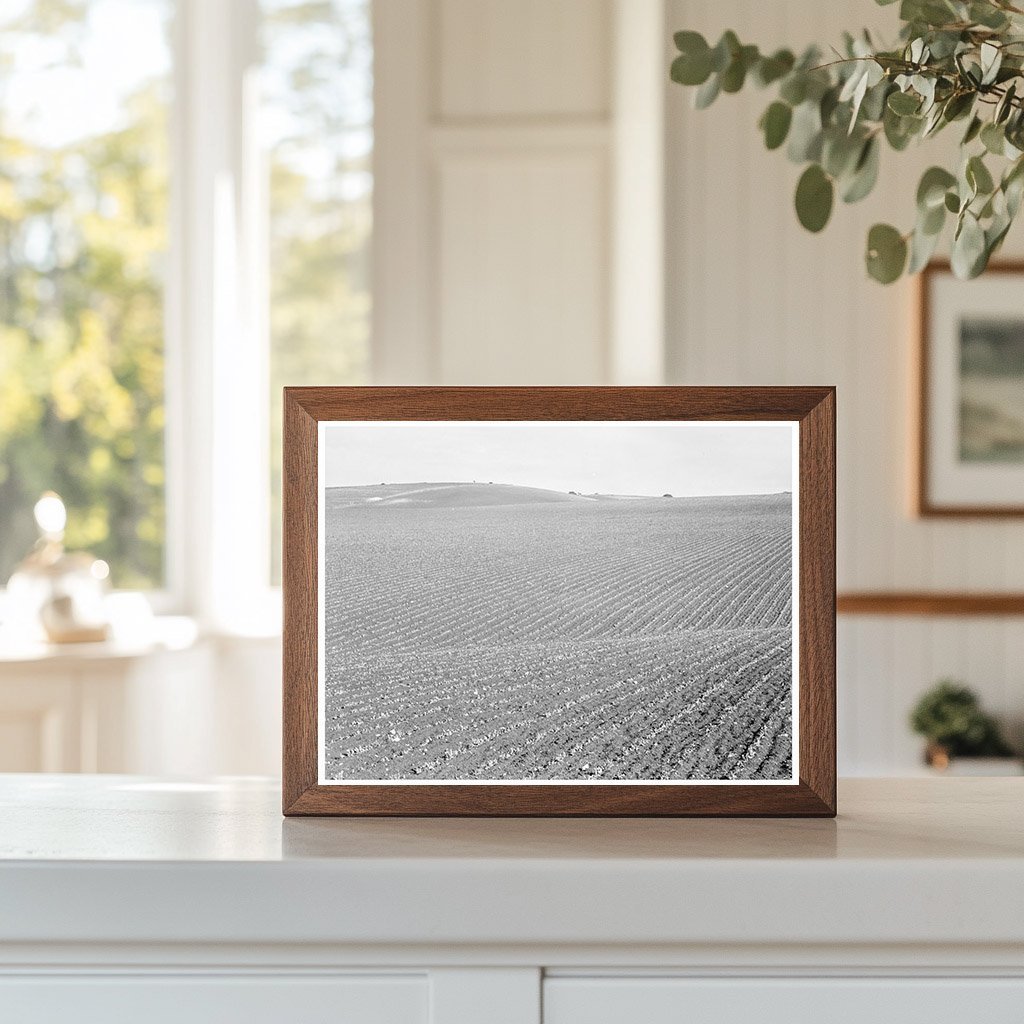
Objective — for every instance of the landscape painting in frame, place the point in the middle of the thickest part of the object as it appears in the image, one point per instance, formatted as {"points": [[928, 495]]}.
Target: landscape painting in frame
{"points": [[972, 393], [992, 389], [542, 602]]}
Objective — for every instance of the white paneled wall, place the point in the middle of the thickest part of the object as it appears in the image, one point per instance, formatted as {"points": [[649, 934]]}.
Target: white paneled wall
{"points": [[753, 299], [521, 153], [497, 210], [522, 255], [528, 59]]}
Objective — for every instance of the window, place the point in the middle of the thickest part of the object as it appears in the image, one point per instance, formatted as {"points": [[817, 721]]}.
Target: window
{"points": [[83, 234], [185, 222]]}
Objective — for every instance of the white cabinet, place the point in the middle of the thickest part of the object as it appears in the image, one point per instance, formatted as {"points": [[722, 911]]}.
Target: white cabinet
{"points": [[200, 999], [127, 899], [667, 1000]]}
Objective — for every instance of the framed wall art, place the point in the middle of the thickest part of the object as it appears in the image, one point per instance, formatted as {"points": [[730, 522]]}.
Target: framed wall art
{"points": [[559, 601], [970, 444]]}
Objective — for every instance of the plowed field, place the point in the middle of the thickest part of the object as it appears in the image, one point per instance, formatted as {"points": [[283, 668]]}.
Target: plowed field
{"points": [[484, 632]]}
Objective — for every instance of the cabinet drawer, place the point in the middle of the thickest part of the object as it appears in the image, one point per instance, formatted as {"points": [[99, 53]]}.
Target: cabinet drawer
{"points": [[202, 999], [627, 1000]]}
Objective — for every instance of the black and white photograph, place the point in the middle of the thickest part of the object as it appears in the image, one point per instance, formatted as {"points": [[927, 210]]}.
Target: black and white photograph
{"points": [[536, 602]]}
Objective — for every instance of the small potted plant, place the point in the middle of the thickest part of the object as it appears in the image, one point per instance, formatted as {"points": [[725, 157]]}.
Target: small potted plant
{"points": [[950, 718]]}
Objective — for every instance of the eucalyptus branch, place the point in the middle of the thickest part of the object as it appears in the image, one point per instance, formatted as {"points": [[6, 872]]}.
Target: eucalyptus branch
{"points": [[955, 59]]}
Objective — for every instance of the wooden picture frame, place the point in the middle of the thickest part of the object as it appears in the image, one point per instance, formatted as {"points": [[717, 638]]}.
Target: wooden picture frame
{"points": [[312, 412], [941, 488]]}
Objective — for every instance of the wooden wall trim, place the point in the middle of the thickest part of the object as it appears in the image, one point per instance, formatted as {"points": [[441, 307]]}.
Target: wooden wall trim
{"points": [[928, 603]]}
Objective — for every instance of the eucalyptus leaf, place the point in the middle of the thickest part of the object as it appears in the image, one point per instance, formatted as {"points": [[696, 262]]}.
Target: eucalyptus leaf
{"points": [[991, 60], [1014, 192], [875, 98], [775, 122], [931, 190], [827, 106], [771, 69], [968, 248], [987, 15], [735, 74], [922, 247], [957, 106], [794, 88], [886, 253], [944, 44], [814, 196], [929, 12], [707, 93], [978, 176], [933, 122], [932, 221], [904, 103], [993, 138], [865, 174], [991, 57], [973, 130], [805, 133], [925, 87], [689, 69], [900, 130], [1005, 105], [840, 152], [724, 51]]}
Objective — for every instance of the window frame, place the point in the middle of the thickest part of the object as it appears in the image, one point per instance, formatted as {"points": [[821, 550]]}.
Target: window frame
{"points": [[217, 440], [216, 299]]}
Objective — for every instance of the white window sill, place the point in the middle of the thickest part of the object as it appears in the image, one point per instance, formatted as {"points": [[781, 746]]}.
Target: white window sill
{"points": [[159, 633]]}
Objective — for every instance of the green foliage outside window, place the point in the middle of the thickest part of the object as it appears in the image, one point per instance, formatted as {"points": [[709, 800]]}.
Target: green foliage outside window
{"points": [[83, 243], [82, 232]]}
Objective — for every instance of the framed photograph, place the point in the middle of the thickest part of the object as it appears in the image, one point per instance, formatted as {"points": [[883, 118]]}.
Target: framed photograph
{"points": [[559, 601], [970, 450]]}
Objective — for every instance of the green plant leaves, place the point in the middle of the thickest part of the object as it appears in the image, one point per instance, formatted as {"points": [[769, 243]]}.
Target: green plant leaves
{"points": [[814, 196], [886, 253], [932, 189], [991, 61], [775, 122], [922, 248], [956, 60], [900, 130], [1005, 104], [735, 74], [973, 131], [866, 74], [865, 173], [904, 103], [805, 133], [928, 12], [771, 69], [969, 255], [707, 93], [978, 176], [982, 13], [693, 65], [993, 138]]}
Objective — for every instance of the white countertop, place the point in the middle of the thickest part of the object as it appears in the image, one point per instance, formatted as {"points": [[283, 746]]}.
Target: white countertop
{"points": [[121, 859]]}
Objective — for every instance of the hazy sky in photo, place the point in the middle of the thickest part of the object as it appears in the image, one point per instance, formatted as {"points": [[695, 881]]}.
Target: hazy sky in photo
{"points": [[608, 458]]}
